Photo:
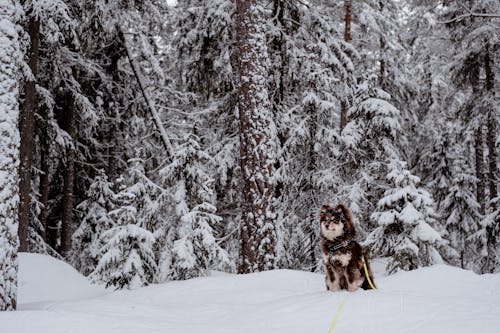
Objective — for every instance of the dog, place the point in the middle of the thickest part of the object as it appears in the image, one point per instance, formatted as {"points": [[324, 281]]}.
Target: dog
{"points": [[342, 255]]}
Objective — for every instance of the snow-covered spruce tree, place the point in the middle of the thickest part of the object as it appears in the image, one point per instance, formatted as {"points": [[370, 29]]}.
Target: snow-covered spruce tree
{"points": [[488, 237], [405, 216], [190, 247], [311, 68], [9, 154], [205, 66], [476, 41], [126, 257], [94, 221], [460, 211], [368, 142]]}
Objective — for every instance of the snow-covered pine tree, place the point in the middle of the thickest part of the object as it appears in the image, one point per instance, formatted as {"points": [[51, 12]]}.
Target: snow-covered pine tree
{"points": [[9, 154], [460, 210], [94, 221], [405, 217], [190, 248]]}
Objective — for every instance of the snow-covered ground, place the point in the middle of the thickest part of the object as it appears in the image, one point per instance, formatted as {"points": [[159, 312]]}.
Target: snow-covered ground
{"points": [[54, 298]]}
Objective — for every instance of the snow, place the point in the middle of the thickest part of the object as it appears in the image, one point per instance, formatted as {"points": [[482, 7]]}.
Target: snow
{"points": [[46, 279], [433, 299]]}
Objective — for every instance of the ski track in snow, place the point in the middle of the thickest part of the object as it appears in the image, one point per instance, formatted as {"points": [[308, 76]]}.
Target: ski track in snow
{"points": [[54, 298]]}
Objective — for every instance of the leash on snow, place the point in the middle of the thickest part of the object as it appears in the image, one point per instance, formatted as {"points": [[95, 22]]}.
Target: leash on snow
{"points": [[366, 273], [336, 316]]}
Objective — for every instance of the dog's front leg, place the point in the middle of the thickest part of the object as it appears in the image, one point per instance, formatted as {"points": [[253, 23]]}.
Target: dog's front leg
{"points": [[354, 279]]}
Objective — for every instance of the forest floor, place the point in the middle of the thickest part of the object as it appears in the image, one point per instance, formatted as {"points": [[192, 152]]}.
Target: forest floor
{"points": [[54, 298]]}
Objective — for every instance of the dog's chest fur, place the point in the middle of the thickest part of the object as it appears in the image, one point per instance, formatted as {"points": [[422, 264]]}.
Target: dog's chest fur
{"points": [[343, 267]]}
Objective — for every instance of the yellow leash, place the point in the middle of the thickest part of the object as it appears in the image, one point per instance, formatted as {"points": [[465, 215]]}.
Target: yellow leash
{"points": [[366, 273], [336, 316]]}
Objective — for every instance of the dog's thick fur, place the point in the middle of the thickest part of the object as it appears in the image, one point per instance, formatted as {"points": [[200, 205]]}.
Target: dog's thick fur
{"points": [[344, 267]]}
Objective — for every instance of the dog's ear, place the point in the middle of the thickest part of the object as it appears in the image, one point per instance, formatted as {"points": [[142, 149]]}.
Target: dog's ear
{"points": [[341, 209], [323, 211], [348, 225]]}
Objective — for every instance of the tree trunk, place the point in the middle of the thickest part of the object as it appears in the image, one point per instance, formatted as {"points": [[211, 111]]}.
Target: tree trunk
{"points": [[113, 125], [492, 131], [312, 166], [257, 225], [479, 155], [9, 156], [381, 78], [69, 177], [347, 37], [27, 127], [145, 94], [44, 176]]}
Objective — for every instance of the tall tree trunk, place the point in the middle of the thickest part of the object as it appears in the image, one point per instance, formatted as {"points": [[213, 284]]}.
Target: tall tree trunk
{"points": [[9, 155], [312, 167], [117, 50], [492, 131], [381, 78], [69, 178], [257, 226], [479, 155], [27, 127], [347, 37], [491, 230], [44, 176]]}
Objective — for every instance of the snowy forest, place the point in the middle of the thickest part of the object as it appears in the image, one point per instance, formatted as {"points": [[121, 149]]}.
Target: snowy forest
{"points": [[146, 141]]}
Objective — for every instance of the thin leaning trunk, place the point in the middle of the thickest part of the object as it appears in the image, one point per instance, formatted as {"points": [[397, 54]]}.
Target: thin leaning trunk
{"points": [[147, 98]]}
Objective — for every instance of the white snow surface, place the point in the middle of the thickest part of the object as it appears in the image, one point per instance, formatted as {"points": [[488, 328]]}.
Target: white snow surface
{"points": [[54, 298]]}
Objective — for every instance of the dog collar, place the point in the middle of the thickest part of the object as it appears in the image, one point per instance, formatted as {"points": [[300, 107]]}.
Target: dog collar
{"points": [[341, 245]]}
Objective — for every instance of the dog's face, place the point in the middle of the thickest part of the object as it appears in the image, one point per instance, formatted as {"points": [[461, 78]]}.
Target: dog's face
{"points": [[335, 222]]}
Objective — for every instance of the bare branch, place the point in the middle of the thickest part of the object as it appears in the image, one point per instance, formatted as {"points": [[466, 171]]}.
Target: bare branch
{"points": [[470, 14]]}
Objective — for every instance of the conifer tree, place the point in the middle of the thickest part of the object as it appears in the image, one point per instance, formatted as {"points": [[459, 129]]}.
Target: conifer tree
{"points": [[461, 213], [191, 248], [405, 218], [257, 132], [94, 221], [9, 154]]}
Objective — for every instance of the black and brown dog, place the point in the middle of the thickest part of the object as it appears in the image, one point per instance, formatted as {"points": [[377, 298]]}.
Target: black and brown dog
{"points": [[342, 255]]}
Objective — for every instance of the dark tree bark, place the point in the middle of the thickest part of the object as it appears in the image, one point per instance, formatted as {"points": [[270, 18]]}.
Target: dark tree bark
{"points": [[69, 178], [492, 131], [257, 225], [117, 52], [312, 167], [44, 176], [381, 78], [27, 127], [347, 37], [479, 155]]}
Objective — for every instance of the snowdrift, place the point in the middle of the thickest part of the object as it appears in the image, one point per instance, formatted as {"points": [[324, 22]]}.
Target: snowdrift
{"points": [[53, 297], [44, 279]]}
